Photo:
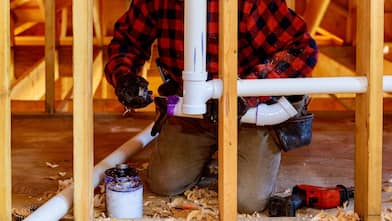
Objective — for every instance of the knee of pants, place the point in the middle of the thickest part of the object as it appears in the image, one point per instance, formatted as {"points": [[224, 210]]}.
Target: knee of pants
{"points": [[169, 183], [249, 203]]}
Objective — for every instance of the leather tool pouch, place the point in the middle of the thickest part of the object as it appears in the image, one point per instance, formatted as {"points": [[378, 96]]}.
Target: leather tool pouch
{"points": [[295, 132]]}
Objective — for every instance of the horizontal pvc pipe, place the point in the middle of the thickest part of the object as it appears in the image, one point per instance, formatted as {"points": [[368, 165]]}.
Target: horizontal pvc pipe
{"points": [[55, 208], [272, 114], [261, 115], [387, 83], [299, 86]]}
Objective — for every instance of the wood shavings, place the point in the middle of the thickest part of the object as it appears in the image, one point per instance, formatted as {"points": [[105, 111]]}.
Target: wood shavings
{"points": [[252, 216], [62, 184], [102, 188], [389, 200], [323, 216], [99, 200], [157, 208], [202, 214], [62, 174], [52, 165], [387, 214], [52, 177], [207, 201], [343, 215], [182, 203], [387, 189], [143, 167], [69, 216], [388, 217]]}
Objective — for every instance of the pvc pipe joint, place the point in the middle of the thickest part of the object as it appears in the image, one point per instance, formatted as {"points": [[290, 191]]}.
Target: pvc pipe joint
{"points": [[197, 92], [264, 114], [195, 57]]}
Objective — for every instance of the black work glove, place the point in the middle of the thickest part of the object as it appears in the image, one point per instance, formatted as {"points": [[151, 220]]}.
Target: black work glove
{"points": [[161, 114], [132, 91], [212, 110], [169, 88]]}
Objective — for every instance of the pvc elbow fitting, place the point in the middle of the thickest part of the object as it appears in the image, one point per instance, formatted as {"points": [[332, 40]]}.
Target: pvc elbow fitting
{"points": [[272, 114]]}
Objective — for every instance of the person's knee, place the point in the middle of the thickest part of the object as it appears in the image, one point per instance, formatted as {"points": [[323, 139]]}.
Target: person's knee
{"points": [[251, 202], [166, 186], [170, 181]]}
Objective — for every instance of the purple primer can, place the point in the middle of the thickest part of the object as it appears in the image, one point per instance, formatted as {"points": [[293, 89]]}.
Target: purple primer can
{"points": [[124, 192]]}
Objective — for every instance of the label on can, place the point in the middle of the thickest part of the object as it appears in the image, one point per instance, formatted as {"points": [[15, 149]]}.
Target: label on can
{"points": [[124, 192]]}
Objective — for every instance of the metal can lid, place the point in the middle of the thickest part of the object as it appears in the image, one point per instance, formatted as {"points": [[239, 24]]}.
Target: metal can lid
{"points": [[122, 166], [121, 170], [125, 184]]}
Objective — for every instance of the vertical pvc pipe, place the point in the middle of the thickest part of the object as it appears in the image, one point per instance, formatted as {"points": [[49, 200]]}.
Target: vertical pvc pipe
{"points": [[83, 109], [227, 194], [369, 110], [5, 113], [50, 51], [195, 49]]}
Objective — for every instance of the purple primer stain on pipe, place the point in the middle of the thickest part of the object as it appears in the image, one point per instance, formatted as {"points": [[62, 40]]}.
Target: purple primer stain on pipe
{"points": [[171, 104], [202, 46], [194, 59]]}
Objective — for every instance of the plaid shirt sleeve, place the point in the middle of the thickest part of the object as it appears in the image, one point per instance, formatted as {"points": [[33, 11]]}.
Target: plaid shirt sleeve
{"points": [[134, 34], [278, 32]]}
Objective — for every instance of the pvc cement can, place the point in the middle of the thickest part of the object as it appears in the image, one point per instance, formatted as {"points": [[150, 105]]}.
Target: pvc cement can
{"points": [[124, 192]]}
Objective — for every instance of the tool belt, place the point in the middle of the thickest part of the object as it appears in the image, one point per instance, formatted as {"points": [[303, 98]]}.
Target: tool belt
{"points": [[295, 132]]}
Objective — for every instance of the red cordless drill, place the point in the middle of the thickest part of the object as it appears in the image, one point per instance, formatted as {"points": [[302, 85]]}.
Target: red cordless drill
{"points": [[309, 196]]}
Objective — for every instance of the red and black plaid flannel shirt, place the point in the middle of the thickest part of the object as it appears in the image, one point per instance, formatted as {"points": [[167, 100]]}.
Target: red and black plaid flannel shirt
{"points": [[273, 41]]}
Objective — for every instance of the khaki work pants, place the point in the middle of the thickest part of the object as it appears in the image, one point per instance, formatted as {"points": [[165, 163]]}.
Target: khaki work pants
{"points": [[185, 146]]}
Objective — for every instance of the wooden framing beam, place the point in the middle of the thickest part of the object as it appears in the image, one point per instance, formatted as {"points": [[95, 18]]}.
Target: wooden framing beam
{"points": [[41, 5], [97, 22], [338, 8], [64, 23], [63, 41], [31, 85], [12, 40], [369, 127], [50, 54], [83, 109], [327, 66], [23, 27], [29, 14], [350, 21], [336, 39], [314, 13], [291, 4], [5, 113], [96, 79], [17, 3], [227, 152]]}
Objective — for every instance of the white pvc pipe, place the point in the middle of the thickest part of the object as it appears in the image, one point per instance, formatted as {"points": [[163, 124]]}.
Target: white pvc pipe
{"points": [[299, 86], [195, 50], [261, 115], [272, 114], [55, 208], [387, 83]]}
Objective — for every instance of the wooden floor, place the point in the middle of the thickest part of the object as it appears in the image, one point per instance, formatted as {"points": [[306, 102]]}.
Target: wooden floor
{"points": [[37, 139]]}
